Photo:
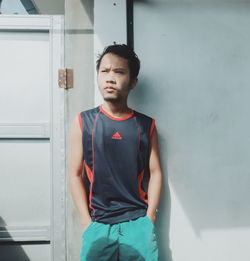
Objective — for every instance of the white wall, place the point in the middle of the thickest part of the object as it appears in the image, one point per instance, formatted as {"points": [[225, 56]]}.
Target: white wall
{"points": [[195, 82]]}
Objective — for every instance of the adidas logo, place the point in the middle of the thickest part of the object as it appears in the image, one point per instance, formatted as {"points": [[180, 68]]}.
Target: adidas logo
{"points": [[117, 136]]}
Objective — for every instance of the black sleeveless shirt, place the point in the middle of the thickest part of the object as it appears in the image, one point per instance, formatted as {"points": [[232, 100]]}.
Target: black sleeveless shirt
{"points": [[116, 164]]}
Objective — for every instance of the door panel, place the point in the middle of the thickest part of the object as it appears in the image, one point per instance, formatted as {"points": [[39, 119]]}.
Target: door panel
{"points": [[32, 154], [25, 77], [25, 170]]}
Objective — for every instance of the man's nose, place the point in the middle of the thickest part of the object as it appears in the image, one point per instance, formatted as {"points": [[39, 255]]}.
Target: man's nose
{"points": [[110, 78]]}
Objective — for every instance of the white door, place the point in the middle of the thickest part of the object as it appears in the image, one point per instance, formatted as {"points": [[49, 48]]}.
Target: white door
{"points": [[32, 142]]}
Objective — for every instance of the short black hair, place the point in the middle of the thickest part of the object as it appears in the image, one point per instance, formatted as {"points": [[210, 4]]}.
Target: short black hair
{"points": [[123, 51]]}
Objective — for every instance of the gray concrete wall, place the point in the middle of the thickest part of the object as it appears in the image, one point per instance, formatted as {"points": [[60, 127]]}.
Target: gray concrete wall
{"points": [[195, 81], [51, 7], [79, 52]]}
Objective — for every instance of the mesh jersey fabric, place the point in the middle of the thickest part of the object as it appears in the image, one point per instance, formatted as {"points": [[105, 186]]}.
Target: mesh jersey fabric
{"points": [[116, 164]]}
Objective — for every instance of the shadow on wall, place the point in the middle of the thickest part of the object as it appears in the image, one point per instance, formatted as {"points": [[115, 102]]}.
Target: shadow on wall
{"points": [[9, 249], [195, 153], [198, 89]]}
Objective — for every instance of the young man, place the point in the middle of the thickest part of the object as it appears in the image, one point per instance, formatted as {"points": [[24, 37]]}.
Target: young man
{"points": [[118, 150]]}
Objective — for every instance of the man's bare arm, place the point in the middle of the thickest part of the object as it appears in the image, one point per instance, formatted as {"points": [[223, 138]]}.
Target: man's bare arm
{"points": [[77, 189], [155, 181]]}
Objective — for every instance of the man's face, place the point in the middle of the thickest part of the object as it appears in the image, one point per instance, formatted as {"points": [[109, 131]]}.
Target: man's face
{"points": [[114, 78]]}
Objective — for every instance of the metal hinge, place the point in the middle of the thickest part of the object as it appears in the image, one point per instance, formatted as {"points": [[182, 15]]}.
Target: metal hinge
{"points": [[65, 78]]}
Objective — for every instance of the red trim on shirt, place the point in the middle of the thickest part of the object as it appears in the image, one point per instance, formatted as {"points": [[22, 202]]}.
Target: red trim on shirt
{"points": [[91, 179], [142, 193], [89, 173], [93, 160], [115, 118], [152, 127]]}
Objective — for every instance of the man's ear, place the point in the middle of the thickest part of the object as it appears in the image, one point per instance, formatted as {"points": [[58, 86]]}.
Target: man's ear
{"points": [[133, 83]]}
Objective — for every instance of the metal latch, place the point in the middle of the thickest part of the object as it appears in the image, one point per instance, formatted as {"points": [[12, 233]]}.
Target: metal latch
{"points": [[65, 78]]}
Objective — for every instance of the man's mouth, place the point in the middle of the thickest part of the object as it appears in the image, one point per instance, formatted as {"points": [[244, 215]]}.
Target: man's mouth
{"points": [[109, 88]]}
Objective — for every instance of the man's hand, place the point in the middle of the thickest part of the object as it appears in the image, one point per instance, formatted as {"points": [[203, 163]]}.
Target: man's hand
{"points": [[152, 217], [85, 224]]}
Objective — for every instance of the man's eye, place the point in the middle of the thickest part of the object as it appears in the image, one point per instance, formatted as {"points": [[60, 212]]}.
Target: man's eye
{"points": [[121, 72], [103, 70]]}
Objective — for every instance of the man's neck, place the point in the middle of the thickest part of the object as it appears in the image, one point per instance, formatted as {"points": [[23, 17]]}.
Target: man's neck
{"points": [[116, 109]]}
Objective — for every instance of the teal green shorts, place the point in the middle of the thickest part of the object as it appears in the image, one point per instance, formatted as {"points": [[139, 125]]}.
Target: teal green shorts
{"points": [[131, 240]]}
